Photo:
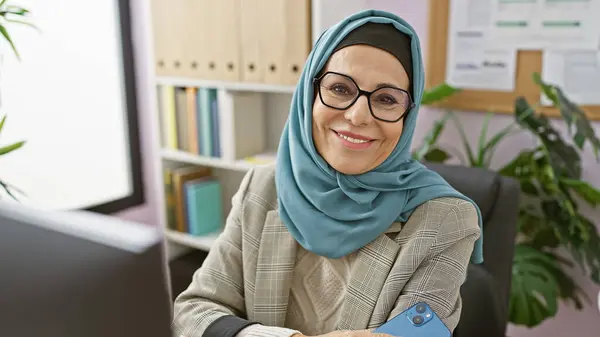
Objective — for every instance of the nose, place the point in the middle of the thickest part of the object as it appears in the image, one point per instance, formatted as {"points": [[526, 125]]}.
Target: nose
{"points": [[358, 114]]}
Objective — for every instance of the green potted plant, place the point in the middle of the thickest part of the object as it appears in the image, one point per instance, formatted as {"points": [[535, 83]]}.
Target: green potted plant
{"points": [[550, 178], [10, 14]]}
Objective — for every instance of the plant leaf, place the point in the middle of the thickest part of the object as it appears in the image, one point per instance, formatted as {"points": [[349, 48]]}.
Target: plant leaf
{"points": [[6, 188], [590, 194], [25, 23], [481, 152], [465, 141], [520, 167], [9, 148], [567, 288], [490, 147], [571, 113], [4, 33], [436, 155], [584, 129], [564, 158], [534, 290], [431, 138], [16, 10], [2, 122], [547, 89], [438, 93]]}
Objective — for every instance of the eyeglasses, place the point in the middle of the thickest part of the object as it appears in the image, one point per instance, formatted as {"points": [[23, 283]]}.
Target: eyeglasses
{"points": [[339, 91]]}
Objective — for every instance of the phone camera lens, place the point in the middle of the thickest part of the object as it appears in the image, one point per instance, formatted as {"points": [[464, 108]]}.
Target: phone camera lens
{"points": [[421, 308], [418, 320]]}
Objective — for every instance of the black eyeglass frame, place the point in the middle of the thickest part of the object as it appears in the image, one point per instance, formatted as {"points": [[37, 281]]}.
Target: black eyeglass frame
{"points": [[317, 82]]}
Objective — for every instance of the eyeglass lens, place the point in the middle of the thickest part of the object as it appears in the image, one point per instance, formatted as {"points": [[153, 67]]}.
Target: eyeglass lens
{"points": [[339, 91]]}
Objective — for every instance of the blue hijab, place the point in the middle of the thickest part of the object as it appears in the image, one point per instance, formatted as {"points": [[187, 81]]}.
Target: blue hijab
{"points": [[333, 214]]}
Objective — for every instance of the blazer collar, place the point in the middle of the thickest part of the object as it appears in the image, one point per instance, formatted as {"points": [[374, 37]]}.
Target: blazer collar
{"points": [[274, 271]]}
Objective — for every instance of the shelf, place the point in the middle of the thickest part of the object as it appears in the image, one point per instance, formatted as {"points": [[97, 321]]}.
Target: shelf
{"points": [[198, 242], [238, 165], [232, 86]]}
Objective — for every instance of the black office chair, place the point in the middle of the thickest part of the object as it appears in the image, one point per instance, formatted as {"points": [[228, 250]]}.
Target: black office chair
{"points": [[486, 292]]}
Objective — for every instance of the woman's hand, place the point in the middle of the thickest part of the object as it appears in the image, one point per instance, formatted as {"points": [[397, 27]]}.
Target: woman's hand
{"points": [[349, 333]]}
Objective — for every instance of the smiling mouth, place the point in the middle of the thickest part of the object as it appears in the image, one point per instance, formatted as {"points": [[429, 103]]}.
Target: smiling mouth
{"points": [[354, 138], [353, 141]]}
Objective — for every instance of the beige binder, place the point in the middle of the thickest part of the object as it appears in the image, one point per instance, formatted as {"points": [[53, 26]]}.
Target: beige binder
{"points": [[160, 37], [251, 19], [272, 39], [198, 38], [224, 40], [297, 41], [285, 39], [168, 29]]}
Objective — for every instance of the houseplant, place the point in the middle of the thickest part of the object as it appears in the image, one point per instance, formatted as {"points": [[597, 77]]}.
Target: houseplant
{"points": [[10, 15], [550, 221]]}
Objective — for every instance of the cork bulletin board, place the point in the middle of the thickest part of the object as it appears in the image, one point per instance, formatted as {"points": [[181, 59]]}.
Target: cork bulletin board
{"points": [[528, 62]]}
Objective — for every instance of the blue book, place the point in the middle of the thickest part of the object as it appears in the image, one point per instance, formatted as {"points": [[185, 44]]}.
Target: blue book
{"points": [[204, 206], [206, 125], [199, 120], [216, 148]]}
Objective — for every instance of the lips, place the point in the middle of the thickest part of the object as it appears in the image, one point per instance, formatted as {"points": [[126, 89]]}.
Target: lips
{"points": [[353, 141], [353, 135]]}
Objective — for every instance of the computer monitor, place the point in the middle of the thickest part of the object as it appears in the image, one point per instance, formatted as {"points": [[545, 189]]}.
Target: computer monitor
{"points": [[80, 274]]}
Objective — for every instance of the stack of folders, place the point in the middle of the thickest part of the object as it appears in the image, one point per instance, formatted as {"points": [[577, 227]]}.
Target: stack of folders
{"points": [[193, 200], [257, 41], [189, 119]]}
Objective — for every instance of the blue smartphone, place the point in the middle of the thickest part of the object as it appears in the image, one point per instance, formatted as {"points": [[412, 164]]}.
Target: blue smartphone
{"points": [[416, 321]]}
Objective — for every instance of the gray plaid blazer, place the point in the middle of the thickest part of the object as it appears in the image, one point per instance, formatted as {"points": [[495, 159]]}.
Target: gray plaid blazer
{"points": [[249, 270]]}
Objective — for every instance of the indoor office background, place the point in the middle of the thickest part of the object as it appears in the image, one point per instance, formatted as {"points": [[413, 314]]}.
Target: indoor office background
{"points": [[76, 127]]}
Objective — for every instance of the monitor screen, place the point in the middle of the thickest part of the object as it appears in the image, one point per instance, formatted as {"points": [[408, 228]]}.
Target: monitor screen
{"points": [[80, 274]]}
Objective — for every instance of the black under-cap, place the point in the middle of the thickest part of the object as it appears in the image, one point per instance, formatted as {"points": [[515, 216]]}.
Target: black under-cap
{"points": [[384, 36]]}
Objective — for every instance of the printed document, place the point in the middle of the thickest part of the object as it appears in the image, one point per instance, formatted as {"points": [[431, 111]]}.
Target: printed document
{"points": [[542, 24], [472, 62], [577, 73]]}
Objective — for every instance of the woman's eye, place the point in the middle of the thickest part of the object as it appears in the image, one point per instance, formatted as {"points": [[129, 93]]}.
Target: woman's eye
{"points": [[339, 89], [385, 99]]}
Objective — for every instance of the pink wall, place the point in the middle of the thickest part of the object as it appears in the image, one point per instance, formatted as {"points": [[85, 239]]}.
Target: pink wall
{"points": [[569, 321]]}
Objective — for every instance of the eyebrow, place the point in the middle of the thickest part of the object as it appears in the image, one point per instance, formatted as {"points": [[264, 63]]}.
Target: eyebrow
{"points": [[378, 86], [385, 84]]}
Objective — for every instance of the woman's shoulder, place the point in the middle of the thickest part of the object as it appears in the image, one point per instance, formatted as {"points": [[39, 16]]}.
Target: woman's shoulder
{"points": [[454, 213], [258, 188]]}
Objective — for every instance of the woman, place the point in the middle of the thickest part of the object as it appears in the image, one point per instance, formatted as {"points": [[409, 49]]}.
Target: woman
{"points": [[346, 231]]}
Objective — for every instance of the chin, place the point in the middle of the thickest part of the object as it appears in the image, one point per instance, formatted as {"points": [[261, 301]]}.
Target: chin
{"points": [[348, 166]]}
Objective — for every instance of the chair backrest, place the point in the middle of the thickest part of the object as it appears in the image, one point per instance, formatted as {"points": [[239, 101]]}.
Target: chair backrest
{"points": [[498, 199]]}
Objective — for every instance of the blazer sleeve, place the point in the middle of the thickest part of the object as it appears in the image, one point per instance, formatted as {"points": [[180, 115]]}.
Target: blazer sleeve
{"points": [[216, 292], [438, 278]]}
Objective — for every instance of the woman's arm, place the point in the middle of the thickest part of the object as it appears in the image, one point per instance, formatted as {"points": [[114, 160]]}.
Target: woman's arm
{"points": [[438, 279], [216, 292]]}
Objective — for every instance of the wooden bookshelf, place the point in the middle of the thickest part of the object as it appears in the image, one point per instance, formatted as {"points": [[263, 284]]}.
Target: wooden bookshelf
{"points": [[224, 85]]}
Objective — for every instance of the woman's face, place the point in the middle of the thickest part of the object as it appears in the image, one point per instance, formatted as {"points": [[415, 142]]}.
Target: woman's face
{"points": [[370, 68]]}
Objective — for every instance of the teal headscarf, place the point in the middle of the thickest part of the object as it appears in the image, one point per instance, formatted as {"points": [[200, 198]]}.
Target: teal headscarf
{"points": [[333, 214]]}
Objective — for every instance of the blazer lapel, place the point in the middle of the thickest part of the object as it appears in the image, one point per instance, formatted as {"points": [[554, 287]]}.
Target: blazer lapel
{"points": [[274, 272], [369, 272]]}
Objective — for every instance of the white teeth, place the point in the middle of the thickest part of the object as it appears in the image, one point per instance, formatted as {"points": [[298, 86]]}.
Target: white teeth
{"points": [[353, 140]]}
